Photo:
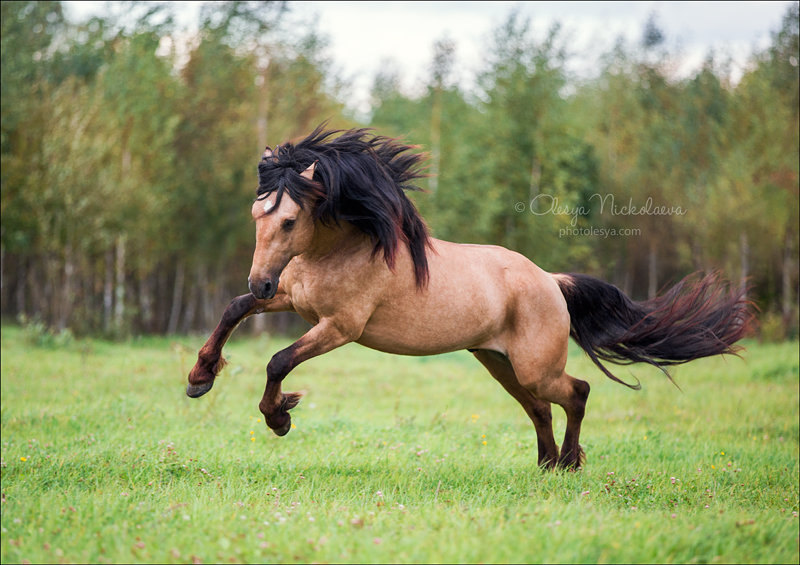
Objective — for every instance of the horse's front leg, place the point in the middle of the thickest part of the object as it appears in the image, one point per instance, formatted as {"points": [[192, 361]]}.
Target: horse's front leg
{"points": [[209, 360], [320, 339]]}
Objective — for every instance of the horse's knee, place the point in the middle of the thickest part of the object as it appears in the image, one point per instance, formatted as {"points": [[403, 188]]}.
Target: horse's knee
{"points": [[239, 308]]}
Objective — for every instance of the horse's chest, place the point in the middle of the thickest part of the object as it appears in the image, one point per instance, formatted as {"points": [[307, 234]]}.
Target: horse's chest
{"points": [[303, 302]]}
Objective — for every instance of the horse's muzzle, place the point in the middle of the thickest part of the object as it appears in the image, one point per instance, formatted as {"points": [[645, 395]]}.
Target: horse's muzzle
{"points": [[264, 289]]}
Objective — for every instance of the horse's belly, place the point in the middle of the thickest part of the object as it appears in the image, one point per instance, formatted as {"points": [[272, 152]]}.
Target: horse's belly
{"points": [[411, 342], [438, 324]]}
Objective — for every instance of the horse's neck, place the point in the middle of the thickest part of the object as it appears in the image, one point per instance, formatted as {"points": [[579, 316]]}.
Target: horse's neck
{"points": [[336, 239]]}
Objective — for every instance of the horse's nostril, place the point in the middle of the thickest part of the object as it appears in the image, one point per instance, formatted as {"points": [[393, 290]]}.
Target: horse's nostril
{"points": [[262, 289]]}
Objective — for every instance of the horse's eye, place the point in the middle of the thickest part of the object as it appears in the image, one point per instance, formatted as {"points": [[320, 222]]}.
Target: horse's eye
{"points": [[288, 225]]}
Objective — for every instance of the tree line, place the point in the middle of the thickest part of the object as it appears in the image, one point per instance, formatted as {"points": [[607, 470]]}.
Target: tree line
{"points": [[128, 165]]}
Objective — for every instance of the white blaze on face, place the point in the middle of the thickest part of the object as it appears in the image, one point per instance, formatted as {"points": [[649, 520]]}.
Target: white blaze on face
{"points": [[269, 203]]}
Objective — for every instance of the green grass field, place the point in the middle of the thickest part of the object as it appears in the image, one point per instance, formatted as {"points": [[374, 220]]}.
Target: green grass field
{"points": [[391, 460]]}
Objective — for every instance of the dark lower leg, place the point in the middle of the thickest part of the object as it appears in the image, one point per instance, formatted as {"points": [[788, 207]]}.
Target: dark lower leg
{"points": [[537, 410], [541, 415], [277, 416], [571, 451], [274, 404], [209, 360]]}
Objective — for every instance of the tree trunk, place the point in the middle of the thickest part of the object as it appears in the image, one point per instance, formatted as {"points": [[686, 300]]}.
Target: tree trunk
{"points": [[652, 272], [68, 292], [22, 281], [3, 287], [108, 290], [536, 177], [162, 298], [627, 282], [37, 290], [206, 297], [51, 296], [263, 107], [436, 139], [190, 314], [262, 134], [744, 257], [119, 285], [177, 297], [698, 258], [788, 290], [146, 302]]}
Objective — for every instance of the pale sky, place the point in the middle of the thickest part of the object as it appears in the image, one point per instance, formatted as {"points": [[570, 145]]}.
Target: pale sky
{"points": [[364, 35]]}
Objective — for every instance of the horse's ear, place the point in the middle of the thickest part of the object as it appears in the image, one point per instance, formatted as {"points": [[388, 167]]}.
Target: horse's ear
{"points": [[267, 153], [309, 172]]}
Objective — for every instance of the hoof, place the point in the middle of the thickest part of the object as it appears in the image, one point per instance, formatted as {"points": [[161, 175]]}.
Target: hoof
{"points": [[570, 462], [548, 465], [284, 429], [280, 416], [195, 391]]}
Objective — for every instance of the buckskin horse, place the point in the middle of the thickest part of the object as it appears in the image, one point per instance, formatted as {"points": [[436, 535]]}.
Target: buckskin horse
{"points": [[340, 243]]}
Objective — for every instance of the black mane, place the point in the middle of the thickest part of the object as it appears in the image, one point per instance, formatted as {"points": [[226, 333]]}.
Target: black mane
{"points": [[358, 178]]}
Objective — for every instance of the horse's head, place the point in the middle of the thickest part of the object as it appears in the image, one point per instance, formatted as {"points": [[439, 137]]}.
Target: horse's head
{"points": [[327, 186], [284, 229]]}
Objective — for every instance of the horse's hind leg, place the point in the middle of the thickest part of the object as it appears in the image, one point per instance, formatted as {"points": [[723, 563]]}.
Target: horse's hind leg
{"points": [[538, 410], [574, 393], [547, 381]]}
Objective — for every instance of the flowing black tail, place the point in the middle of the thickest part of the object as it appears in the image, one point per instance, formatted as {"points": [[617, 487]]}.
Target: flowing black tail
{"points": [[695, 318]]}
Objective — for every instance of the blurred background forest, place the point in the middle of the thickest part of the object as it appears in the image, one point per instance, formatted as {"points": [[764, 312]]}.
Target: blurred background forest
{"points": [[127, 177]]}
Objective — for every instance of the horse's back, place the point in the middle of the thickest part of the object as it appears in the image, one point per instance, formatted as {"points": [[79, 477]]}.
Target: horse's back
{"points": [[476, 298]]}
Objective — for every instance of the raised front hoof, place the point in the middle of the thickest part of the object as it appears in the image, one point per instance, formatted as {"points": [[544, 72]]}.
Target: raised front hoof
{"points": [[204, 371], [196, 391], [283, 429], [279, 421]]}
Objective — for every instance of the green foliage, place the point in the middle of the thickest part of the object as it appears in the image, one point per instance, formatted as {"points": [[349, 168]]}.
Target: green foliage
{"points": [[772, 328], [38, 334], [127, 168], [125, 190], [392, 460]]}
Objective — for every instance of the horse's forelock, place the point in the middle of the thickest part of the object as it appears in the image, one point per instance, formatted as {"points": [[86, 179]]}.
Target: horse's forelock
{"points": [[282, 177]]}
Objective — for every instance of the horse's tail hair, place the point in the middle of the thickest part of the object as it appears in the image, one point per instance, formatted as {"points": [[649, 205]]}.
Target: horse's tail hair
{"points": [[698, 317]]}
